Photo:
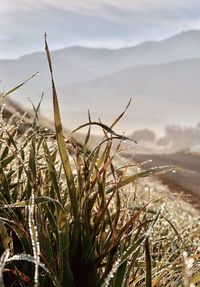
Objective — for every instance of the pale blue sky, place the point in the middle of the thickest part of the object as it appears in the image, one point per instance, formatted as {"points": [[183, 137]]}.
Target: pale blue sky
{"points": [[96, 23]]}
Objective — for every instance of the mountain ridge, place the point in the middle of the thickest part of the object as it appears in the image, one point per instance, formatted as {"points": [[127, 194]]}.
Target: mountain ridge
{"points": [[113, 76], [182, 34]]}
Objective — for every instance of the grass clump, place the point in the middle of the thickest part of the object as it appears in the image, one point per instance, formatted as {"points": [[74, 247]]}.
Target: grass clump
{"points": [[73, 217]]}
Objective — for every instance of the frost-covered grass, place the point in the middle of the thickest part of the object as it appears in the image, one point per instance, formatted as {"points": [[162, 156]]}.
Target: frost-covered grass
{"points": [[74, 217], [175, 237]]}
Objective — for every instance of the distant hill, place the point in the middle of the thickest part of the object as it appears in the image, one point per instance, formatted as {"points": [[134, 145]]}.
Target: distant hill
{"points": [[74, 64], [162, 77], [185, 45], [166, 92]]}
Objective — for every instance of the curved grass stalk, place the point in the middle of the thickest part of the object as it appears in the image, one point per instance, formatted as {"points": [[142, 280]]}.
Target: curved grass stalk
{"points": [[34, 238], [4, 257]]}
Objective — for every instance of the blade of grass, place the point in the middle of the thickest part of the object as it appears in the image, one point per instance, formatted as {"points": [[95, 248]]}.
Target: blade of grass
{"points": [[121, 115], [19, 86], [148, 263], [3, 259], [61, 141], [106, 128], [29, 258], [129, 179]]}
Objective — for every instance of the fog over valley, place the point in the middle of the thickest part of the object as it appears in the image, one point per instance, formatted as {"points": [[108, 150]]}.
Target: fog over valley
{"points": [[161, 77]]}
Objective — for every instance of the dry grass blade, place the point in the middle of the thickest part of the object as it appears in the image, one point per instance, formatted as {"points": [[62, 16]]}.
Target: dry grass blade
{"points": [[121, 115], [132, 178], [31, 259], [37, 200], [148, 263], [19, 86], [195, 279], [106, 128], [4, 257], [34, 238], [61, 142]]}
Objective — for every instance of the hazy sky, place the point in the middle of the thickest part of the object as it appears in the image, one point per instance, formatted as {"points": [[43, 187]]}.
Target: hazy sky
{"points": [[96, 23]]}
